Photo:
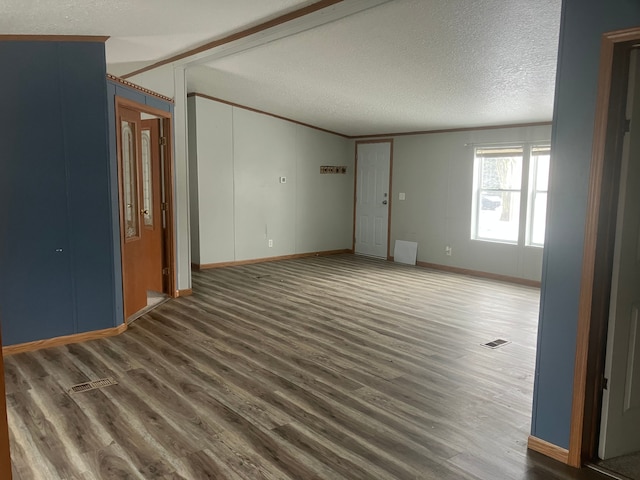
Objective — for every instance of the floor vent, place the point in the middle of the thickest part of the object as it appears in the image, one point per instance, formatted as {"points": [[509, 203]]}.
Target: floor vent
{"points": [[497, 343], [87, 386]]}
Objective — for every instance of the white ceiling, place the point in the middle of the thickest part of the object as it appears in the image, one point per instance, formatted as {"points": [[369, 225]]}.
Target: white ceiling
{"points": [[403, 65]]}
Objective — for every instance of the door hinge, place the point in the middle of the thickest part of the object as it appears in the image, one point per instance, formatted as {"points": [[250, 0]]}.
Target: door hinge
{"points": [[605, 383], [164, 206], [163, 140], [165, 271]]}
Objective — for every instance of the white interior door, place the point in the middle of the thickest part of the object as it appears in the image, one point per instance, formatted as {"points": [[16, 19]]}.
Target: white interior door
{"points": [[372, 198], [620, 423]]}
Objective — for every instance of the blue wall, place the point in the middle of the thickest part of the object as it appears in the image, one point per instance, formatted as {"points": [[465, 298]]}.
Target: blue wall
{"points": [[583, 23], [56, 252]]}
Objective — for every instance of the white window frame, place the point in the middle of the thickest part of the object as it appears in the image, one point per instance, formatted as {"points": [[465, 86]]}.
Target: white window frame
{"points": [[533, 192], [527, 194]]}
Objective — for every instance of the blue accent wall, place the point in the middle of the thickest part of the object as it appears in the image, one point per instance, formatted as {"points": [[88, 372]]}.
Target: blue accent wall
{"points": [[56, 220], [583, 23]]}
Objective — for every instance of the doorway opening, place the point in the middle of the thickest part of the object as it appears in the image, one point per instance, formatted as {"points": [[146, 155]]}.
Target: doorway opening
{"points": [[372, 212], [145, 178], [607, 371]]}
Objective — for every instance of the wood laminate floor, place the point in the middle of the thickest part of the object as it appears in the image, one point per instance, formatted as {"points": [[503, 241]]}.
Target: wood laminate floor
{"points": [[322, 368]]}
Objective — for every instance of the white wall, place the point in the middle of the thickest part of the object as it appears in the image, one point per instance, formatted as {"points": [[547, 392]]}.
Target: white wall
{"points": [[240, 156], [435, 171]]}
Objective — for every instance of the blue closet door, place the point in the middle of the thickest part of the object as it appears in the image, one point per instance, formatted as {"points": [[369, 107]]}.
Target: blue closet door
{"points": [[35, 281]]}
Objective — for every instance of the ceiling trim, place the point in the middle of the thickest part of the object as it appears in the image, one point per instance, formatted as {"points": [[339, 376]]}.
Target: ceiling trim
{"points": [[244, 107], [301, 12], [451, 130], [383, 136], [129, 84], [54, 38]]}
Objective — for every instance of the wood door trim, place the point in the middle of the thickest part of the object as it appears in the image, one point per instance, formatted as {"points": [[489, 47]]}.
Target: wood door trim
{"points": [[355, 190], [167, 127], [5, 451], [591, 331], [64, 340], [549, 449]]}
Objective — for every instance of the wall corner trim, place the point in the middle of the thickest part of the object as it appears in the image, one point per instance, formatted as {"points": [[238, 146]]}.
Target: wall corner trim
{"points": [[127, 83], [54, 38], [64, 340], [548, 449]]}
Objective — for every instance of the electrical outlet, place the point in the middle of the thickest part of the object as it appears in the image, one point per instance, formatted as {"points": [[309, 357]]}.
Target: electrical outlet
{"points": [[270, 243], [447, 250]]}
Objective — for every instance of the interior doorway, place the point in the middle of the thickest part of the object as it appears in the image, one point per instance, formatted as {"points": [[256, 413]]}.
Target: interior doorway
{"points": [[145, 173], [372, 214], [607, 373]]}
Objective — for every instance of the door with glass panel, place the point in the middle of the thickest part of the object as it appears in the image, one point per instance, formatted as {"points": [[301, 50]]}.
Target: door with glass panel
{"points": [[131, 211], [151, 182]]}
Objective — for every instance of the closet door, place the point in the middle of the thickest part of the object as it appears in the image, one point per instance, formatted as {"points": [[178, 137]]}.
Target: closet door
{"points": [[35, 281]]}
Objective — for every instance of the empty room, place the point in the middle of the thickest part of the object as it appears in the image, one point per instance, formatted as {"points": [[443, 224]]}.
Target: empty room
{"points": [[335, 239]]}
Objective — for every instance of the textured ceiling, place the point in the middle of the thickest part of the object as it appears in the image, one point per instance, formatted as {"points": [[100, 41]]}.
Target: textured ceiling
{"points": [[405, 65], [141, 30]]}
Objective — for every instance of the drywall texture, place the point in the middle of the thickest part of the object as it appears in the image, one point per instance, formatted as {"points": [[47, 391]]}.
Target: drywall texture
{"points": [[240, 157], [435, 172], [583, 22]]}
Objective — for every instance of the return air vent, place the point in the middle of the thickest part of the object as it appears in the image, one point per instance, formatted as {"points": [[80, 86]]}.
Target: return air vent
{"points": [[497, 343], [85, 387]]}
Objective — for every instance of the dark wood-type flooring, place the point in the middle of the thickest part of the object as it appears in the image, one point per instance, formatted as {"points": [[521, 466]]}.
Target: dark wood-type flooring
{"points": [[322, 368]]}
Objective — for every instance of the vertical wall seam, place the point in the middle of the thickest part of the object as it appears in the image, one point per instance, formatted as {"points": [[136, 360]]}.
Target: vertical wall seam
{"points": [[67, 176]]}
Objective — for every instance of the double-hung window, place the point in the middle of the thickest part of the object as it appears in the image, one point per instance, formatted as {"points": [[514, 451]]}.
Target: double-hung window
{"points": [[510, 193]]}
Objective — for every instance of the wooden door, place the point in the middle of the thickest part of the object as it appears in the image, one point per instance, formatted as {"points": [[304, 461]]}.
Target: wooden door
{"points": [[372, 199], [151, 190], [5, 454], [129, 153], [620, 422]]}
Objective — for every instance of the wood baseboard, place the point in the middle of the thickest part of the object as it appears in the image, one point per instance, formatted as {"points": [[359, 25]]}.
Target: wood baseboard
{"points": [[549, 449], [184, 293], [65, 340], [207, 266], [477, 273]]}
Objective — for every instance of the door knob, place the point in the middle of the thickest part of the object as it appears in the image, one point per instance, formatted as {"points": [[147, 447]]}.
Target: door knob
{"points": [[384, 202], [144, 212]]}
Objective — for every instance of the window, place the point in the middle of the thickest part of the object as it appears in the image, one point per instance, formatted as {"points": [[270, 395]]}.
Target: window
{"points": [[510, 193], [539, 184]]}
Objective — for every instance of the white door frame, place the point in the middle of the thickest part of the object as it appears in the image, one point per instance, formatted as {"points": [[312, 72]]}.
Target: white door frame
{"points": [[355, 190]]}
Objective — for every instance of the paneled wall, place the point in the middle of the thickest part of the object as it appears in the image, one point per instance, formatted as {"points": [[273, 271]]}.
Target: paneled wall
{"points": [[583, 22], [56, 229], [238, 204], [435, 172]]}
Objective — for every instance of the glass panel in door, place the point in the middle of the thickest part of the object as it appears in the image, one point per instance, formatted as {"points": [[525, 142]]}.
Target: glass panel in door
{"points": [[130, 180]]}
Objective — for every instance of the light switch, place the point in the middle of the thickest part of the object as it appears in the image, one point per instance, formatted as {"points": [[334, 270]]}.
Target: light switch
{"points": [[283, 179], [401, 196]]}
